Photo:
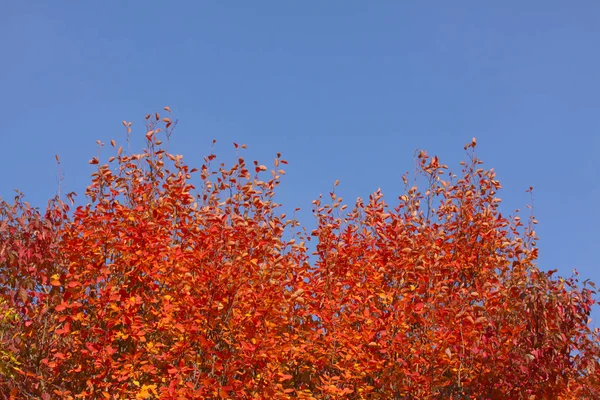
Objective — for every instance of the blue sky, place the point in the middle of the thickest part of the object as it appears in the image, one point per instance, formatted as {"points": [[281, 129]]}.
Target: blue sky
{"points": [[345, 90]]}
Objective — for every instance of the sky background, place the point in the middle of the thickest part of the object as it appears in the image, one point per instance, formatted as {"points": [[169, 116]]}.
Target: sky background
{"points": [[344, 89]]}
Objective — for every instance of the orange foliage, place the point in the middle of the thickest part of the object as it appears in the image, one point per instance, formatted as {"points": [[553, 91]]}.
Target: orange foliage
{"points": [[156, 289]]}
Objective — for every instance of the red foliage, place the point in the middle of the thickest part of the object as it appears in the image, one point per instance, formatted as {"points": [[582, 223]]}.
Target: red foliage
{"points": [[157, 290]]}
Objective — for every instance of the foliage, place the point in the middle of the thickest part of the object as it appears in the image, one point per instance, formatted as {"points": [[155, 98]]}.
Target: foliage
{"points": [[156, 289]]}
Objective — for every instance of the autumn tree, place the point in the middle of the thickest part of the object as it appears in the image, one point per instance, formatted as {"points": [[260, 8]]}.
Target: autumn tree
{"points": [[178, 283]]}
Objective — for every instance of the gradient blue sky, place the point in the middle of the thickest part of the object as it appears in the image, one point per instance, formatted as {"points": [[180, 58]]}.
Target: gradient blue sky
{"points": [[344, 89]]}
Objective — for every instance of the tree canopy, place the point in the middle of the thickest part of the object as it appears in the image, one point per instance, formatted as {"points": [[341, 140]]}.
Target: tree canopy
{"points": [[169, 285]]}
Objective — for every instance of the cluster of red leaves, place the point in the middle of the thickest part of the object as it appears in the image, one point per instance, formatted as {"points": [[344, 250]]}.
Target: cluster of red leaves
{"points": [[156, 289]]}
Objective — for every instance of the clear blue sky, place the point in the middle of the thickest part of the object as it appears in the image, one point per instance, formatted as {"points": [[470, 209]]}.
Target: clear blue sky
{"points": [[344, 89]]}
